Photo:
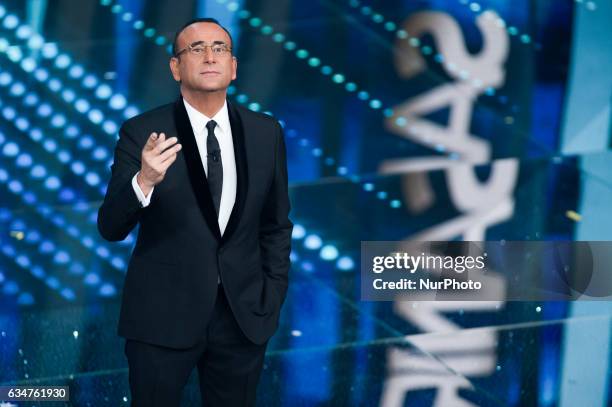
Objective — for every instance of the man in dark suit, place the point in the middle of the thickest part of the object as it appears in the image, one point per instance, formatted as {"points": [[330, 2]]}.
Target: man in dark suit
{"points": [[206, 181]]}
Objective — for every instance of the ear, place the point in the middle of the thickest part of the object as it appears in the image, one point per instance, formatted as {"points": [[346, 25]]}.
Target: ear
{"points": [[174, 68], [234, 67]]}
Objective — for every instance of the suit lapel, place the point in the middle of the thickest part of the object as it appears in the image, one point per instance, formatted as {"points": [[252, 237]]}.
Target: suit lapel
{"points": [[197, 175], [238, 138]]}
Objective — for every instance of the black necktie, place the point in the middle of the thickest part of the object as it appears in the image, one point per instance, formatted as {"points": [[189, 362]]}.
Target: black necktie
{"points": [[215, 168]]}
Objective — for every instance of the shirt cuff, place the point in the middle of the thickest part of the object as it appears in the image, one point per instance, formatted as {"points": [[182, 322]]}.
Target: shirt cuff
{"points": [[144, 200]]}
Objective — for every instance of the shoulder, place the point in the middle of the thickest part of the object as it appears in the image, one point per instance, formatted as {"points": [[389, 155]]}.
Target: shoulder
{"points": [[155, 116], [261, 120]]}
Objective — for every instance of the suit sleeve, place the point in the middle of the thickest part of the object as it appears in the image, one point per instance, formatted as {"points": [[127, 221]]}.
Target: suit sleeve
{"points": [[121, 208], [275, 226]]}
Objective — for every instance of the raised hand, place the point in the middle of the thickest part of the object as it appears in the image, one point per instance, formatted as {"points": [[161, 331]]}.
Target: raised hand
{"points": [[158, 154]]}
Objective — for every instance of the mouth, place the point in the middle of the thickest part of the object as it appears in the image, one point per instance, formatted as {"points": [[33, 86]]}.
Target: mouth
{"points": [[209, 73]]}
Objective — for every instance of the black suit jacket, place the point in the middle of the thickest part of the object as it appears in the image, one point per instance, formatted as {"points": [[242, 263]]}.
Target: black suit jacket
{"points": [[171, 281]]}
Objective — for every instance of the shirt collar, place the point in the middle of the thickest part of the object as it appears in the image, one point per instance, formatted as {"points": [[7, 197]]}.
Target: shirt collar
{"points": [[198, 120]]}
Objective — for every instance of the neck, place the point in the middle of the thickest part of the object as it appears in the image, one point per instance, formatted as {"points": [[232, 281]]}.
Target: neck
{"points": [[207, 103]]}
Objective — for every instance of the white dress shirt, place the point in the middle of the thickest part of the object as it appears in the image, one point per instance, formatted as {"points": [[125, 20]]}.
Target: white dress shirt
{"points": [[223, 132]]}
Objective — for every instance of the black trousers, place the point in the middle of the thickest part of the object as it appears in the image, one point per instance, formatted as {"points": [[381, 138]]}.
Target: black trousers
{"points": [[229, 365]]}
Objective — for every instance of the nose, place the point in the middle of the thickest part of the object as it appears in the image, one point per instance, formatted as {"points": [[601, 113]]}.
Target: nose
{"points": [[209, 57]]}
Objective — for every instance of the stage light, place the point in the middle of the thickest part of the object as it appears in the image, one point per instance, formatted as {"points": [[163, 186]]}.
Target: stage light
{"points": [[10, 149], [61, 257], [30, 99], [82, 105], [68, 294], [58, 221], [32, 236], [9, 113], [22, 123], [298, 232], [52, 183], [17, 89], [350, 86], [363, 95], [66, 195], [38, 171], [71, 131], [49, 50], [86, 142], [338, 78], [92, 178], [117, 102], [52, 282], [100, 153], [41, 74], [44, 110], [5, 78], [54, 84], [50, 145], [110, 127], [395, 203], [11, 21], [382, 195], [58, 120], [345, 263], [77, 167], [102, 251], [46, 247], [130, 112], [35, 42], [62, 61], [29, 198], [307, 266], [68, 95], [312, 242], [72, 231], [118, 263], [103, 91], [329, 252], [92, 279], [28, 64], [38, 272], [95, 116], [76, 268], [90, 81], [107, 290], [14, 54], [76, 71], [10, 288], [24, 160]]}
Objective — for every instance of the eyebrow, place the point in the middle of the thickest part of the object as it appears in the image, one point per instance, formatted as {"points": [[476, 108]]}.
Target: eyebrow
{"points": [[193, 44]]}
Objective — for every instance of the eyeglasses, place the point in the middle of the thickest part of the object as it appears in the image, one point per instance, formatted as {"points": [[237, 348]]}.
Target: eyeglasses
{"points": [[199, 48]]}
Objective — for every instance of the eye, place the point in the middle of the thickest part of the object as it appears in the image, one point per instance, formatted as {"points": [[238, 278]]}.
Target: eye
{"points": [[197, 50], [218, 49]]}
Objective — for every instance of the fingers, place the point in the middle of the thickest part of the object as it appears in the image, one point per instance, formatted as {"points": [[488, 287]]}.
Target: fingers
{"points": [[151, 141], [167, 163], [172, 151], [162, 145]]}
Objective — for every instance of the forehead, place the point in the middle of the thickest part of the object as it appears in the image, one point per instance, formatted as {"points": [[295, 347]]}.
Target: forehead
{"points": [[208, 32]]}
